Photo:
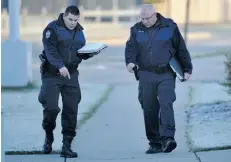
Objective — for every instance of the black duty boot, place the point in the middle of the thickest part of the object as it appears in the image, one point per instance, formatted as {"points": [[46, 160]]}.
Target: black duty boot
{"points": [[47, 147], [169, 144], [154, 148], [66, 148]]}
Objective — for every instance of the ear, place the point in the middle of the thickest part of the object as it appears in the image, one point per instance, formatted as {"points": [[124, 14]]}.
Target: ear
{"points": [[64, 15]]}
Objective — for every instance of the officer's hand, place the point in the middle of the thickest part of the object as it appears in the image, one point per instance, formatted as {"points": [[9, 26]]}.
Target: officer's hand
{"points": [[187, 76], [64, 72], [130, 67], [86, 57]]}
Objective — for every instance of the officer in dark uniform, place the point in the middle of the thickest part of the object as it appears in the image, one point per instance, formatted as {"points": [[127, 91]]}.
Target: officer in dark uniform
{"points": [[152, 43], [61, 40]]}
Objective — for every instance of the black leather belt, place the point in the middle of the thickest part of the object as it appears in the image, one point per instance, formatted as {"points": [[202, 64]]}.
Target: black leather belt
{"points": [[54, 71], [157, 69]]}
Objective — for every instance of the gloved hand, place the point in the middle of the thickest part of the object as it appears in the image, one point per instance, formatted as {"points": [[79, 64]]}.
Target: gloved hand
{"points": [[130, 67], [94, 53], [85, 57], [88, 55]]}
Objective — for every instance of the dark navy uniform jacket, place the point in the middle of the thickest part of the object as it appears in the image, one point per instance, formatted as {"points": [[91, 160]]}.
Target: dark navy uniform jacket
{"points": [[156, 45], [60, 44]]}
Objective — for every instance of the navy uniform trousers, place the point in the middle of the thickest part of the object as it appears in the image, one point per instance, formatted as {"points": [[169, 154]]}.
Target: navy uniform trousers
{"points": [[156, 96], [52, 87]]}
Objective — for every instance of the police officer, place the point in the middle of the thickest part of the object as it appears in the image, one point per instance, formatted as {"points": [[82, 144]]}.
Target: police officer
{"points": [[152, 43], [61, 40]]}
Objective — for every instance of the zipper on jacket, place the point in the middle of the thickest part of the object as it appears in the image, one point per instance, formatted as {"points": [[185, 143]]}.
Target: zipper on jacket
{"points": [[70, 50], [69, 60], [150, 44]]}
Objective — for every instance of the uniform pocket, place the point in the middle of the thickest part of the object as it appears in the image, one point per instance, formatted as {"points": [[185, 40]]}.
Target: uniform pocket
{"points": [[142, 37], [140, 95], [41, 96]]}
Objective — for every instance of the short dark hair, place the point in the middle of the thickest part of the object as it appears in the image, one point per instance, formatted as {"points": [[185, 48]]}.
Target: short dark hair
{"points": [[72, 10]]}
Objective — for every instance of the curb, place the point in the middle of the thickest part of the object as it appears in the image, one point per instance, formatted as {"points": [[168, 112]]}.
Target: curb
{"points": [[188, 138], [211, 149], [82, 120]]}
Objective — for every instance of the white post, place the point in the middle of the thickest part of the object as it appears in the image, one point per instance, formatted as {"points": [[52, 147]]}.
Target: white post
{"points": [[14, 19], [16, 53], [98, 17], [115, 6]]}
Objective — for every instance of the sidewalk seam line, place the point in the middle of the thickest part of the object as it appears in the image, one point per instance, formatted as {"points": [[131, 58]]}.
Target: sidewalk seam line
{"points": [[197, 157]]}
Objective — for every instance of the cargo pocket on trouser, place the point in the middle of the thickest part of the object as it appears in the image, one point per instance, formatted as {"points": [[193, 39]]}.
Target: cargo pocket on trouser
{"points": [[140, 95], [49, 94], [49, 97], [41, 96]]}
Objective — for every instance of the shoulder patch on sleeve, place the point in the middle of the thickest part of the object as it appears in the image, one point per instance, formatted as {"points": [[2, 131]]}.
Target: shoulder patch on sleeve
{"points": [[48, 34]]}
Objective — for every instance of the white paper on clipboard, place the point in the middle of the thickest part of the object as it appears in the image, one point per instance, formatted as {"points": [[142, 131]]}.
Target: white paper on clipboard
{"points": [[92, 48]]}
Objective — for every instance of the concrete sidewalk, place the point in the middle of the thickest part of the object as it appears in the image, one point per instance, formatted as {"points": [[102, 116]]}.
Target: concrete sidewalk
{"points": [[22, 116], [214, 156], [116, 132]]}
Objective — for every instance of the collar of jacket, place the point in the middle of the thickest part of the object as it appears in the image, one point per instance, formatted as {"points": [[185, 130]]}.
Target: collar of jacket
{"points": [[60, 22], [162, 22]]}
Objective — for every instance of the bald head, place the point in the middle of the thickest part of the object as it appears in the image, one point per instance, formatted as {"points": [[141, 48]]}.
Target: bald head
{"points": [[148, 15], [147, 8]]}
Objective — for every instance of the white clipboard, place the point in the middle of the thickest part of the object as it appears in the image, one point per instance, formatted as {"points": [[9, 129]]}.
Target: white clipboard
{"points": [[177, 68], [92, 48]]}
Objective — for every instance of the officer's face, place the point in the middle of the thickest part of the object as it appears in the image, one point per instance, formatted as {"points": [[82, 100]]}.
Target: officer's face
{"points": [[70, 20], [148, 18]]}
